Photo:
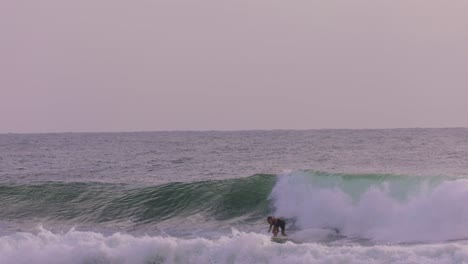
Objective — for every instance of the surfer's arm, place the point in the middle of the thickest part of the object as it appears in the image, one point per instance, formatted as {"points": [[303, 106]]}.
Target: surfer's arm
{"points": [[269, 229]]}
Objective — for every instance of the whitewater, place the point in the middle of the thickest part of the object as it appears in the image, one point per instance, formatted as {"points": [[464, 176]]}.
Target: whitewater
{"points": [[348, 196]]}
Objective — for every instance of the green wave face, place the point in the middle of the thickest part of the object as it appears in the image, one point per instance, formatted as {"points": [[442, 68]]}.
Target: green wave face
{"points": [[98, 203]]}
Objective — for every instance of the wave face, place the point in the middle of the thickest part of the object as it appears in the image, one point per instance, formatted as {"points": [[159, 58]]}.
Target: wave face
{"points": [[382, 208], [100, 203]]}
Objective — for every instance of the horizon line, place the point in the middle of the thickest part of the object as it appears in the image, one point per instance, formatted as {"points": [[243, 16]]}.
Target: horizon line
{"points": [[219, 130]]}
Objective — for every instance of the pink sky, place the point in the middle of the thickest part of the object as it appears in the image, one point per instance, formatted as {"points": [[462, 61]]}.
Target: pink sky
{"points": [[113, 65]]}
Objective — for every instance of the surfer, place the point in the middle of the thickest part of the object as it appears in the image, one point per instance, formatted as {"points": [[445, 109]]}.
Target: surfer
{"points": [[276, 223]]}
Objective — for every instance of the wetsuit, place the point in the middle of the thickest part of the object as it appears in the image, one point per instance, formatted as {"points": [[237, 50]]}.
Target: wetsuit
{"points": [[280, 224]]}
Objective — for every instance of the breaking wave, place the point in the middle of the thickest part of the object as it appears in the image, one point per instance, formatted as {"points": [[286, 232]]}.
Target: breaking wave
{"points": [[383, 208]]}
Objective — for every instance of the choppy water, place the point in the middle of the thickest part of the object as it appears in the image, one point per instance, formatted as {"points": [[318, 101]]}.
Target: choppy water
{"points": [[354, 196]]}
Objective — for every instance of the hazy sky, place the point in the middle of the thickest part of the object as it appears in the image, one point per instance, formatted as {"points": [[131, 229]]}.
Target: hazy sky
{"points": [[114, 65]]}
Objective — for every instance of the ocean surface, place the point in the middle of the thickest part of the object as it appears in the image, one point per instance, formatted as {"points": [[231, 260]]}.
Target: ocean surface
{"points": [[348, 196]]}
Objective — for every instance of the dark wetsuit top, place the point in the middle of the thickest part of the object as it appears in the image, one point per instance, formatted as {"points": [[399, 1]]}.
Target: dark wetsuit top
{"points": [[280, 223]]}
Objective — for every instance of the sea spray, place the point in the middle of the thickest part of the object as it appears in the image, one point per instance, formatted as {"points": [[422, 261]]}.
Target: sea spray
{"points": [[388, 209]]}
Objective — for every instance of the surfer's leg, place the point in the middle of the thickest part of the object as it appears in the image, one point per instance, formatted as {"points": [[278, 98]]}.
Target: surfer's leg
{"points": [[275, 231], [283, 227]]}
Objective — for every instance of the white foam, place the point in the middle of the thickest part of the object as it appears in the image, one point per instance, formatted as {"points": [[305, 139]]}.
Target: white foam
{"points": [[89, 247], [311, 235], [436, 214]]}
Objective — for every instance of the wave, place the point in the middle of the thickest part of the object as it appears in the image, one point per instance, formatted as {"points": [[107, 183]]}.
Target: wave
{"points": [[238, 247], [380, 208], [100, 203], [383, 208]]}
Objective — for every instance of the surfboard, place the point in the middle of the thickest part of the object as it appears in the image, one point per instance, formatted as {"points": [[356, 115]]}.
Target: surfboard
{"points": [[280, 240]]}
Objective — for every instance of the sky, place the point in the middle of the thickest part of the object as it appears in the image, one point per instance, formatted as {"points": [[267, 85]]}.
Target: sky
{"points": [[149, 65]]}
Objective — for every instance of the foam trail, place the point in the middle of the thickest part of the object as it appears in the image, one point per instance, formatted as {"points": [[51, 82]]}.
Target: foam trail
{"points": [[89, 247], [426, 213]]}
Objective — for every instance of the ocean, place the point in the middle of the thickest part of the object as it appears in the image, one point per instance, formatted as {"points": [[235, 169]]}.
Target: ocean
{"points": [[347, 196]]}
